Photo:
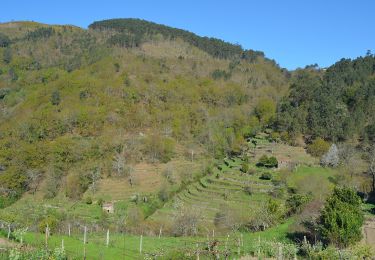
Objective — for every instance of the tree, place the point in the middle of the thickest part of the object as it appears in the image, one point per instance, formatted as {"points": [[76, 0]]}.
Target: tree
{"points": [[265, 110], [331, 158], [318, 147], [119, 163], [342, 218], [33, 177], [186, 222], [348, 158]]}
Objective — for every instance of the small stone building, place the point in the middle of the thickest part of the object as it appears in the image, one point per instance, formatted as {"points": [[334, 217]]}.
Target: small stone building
{"points": [[108, 207]]}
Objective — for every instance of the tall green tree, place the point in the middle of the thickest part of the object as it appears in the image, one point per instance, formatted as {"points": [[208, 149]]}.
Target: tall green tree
{"points": [[342, 218]]}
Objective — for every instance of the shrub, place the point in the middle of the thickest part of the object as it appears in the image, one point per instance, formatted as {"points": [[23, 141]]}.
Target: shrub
{"points": [[269, 162], [50, 221], [100, 202], [248, 190], [4, 92], [272, 162], [163, 194], [55, 98], [318, 147], [88, 200], [266, 176], [296, 202], [245, 167]]}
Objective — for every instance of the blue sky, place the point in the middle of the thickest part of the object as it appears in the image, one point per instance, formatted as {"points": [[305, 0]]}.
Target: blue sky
{"points": [[293, 32]]}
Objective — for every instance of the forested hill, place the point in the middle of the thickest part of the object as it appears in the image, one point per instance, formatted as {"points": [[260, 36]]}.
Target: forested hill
{"points": [[336, 104], [132, 32], [74, 100]]}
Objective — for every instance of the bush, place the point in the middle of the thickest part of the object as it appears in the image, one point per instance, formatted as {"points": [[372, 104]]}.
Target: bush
{"points": [[50, 221], [266, 176], [296, 202], [248, 190], [88, 201], [318, 147], [55, 98], [163, 194], [100, 202], [272, 162], [245, 167], [269, 162]]}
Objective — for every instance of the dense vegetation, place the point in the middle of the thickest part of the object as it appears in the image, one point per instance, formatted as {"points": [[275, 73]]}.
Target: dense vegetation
{"points": [[133, 31], [336, 104], [90, 106]]}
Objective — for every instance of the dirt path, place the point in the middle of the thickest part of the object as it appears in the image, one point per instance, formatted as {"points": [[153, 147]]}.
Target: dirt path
{"points": [[369, 232], [5, 243]]}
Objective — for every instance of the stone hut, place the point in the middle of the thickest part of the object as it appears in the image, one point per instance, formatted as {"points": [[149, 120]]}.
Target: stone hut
{"points": [[108, 207]]}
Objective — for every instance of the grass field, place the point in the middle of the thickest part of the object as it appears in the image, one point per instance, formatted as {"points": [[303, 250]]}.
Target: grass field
{"points": [[124, 246]]}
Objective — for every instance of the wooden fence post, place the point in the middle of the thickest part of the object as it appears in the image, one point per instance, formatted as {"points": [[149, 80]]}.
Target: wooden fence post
{"points": [[140, 245], [107, 241], [280, 252], [46, 233], [197, 252], [8, 231], [62, 244], [160, 231], [69, 229], [208, 242], [84, 235], [239, 246]]}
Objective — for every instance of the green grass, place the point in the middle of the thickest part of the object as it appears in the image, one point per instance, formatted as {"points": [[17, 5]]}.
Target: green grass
{"points": [[124, 246], [314, 180]]}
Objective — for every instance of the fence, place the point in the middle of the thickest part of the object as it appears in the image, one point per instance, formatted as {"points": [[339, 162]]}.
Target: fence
{"points": [[82, 242]]}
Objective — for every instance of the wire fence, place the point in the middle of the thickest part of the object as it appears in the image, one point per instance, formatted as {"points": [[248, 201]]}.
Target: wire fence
{"points": [[80, 242]]}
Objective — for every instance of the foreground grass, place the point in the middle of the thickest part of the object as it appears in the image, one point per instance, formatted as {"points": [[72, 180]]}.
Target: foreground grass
{"points": [[124, 246]]}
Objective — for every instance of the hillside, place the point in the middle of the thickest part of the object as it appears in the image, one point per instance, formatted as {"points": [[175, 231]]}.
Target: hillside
{"points": [[77, 109]]}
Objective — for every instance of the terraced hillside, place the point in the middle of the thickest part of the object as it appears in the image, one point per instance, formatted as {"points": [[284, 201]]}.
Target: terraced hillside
{"points": [[229, 192]]}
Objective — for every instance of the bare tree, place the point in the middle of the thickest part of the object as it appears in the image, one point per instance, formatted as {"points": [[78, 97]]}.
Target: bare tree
{"points": [[119, 162], [33, 177], [371, 169], [186, 222], [331, 158], [347, 154], [95, 176]]}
